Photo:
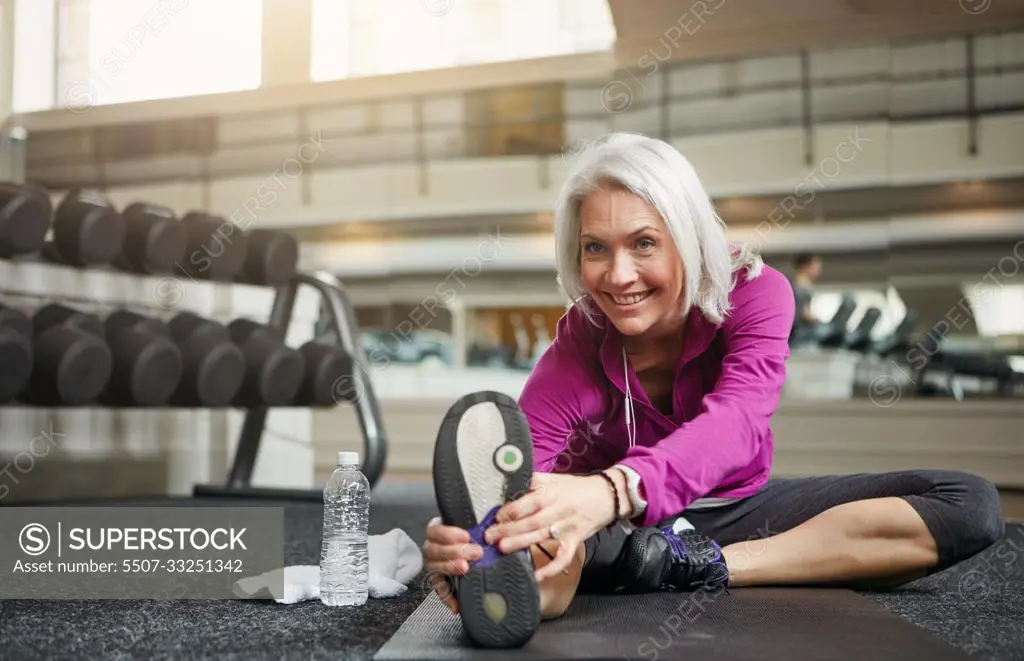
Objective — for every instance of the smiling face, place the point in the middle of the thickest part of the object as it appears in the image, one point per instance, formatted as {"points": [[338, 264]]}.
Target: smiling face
{"points": [[629, 263]]}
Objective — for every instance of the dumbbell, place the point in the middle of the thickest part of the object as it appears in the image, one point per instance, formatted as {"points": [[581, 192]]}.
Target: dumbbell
{"points": [[72, 363], [271, 258], [154, 240], [273, 371], [147, 362], [25, 216], [87, 230], [213, 367], [15, 352], [216, 248], [324, 367]]}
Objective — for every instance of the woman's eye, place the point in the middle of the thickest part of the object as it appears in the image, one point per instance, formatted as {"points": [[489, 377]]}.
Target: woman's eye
{"points": [[645, 244], [592, 247]]}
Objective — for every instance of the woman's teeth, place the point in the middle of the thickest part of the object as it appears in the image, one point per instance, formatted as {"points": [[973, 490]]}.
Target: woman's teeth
{"points": [[632, 299]]}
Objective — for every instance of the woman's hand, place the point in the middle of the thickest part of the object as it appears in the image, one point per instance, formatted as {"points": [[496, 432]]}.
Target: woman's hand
{"points": [[567, 508], [447, 552]]}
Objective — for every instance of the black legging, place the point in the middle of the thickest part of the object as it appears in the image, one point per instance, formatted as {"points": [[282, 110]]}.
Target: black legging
{"points": [[962, 511]]}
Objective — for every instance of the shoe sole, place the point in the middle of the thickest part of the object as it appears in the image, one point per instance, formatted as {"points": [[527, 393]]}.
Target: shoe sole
{"points": [[483, 458]]}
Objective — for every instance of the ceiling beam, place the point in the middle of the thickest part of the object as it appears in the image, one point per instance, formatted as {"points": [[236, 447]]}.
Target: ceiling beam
{"points": [[681, 30]]}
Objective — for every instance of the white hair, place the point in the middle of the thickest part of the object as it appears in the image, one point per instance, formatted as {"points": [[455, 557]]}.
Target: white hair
{"points": [[657, 173]]}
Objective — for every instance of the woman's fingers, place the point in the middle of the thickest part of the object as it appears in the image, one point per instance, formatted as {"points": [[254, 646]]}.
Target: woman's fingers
{"points": [[461, 554], [564, 557], [525, 533], [452, 567], [528, 505], [540, 480], [442, 534], [448, 552], [542, 494], [536, 529], [537, 522], [518, 509], [448, 560]]}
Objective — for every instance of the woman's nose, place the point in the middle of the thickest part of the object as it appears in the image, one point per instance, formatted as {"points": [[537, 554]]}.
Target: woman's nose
{"points": [[623, 271]]}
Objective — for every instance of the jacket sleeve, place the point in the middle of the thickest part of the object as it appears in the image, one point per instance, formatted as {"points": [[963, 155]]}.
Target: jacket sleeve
{"points": [[562, 391], [733, 424]]}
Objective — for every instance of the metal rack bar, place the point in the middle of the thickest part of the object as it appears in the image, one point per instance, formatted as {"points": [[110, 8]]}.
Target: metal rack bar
{"points": [[343, 323]]}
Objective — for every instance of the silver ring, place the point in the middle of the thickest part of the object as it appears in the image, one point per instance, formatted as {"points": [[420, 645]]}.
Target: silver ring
{"points": [[553, 531]]}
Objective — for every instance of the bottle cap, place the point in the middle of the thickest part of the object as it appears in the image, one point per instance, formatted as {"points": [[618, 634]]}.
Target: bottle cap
{"points": [[348, 458]]}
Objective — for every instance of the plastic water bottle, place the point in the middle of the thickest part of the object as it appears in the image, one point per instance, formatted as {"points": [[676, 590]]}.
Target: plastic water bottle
{"points": [[344, 564]]}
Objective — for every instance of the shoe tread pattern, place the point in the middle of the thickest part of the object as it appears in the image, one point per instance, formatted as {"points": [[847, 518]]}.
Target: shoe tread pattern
{"points": [[512, 576]]}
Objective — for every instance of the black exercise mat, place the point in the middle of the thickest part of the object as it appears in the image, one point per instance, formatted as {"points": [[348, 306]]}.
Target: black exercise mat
{"points": [[766, 624]]}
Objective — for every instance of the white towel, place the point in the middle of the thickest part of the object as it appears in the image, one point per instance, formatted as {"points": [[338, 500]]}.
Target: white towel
{"points": [[394, 560]]}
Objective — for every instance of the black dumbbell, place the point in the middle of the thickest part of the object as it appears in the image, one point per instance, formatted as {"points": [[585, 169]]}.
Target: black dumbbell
{"points": [[15, 352], [216, 248], [72, 363], [325, 370], [213, 367], [25, 216], [147, 362], [154, 240], [273, 371], [87, 230], [271, 258]]}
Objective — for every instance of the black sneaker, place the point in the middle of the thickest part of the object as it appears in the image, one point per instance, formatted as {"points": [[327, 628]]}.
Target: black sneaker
{"points": [[483, 459], [661, 559]]}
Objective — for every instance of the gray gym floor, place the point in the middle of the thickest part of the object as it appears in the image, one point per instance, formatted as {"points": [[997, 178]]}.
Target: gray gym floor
{"points": [[977, 607]]}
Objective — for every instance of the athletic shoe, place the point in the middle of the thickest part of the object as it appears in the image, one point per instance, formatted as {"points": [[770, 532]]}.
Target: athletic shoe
{"points": [[666, 559], [483, 459]]}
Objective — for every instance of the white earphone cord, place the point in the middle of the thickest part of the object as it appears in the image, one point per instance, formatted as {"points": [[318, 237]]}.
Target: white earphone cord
{"points": [[630, 421]]}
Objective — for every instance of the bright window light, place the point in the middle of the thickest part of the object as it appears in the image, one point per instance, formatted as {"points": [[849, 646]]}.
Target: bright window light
{"points": [[354, 38], [116, 51], [998, 307], [33, 55]]}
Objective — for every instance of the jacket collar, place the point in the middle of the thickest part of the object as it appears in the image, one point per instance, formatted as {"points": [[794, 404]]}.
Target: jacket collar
{"points": [[699, 334]]}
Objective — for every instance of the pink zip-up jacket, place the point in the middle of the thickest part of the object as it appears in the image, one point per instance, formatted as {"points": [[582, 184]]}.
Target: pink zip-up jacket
{"points": [[717, 442]]}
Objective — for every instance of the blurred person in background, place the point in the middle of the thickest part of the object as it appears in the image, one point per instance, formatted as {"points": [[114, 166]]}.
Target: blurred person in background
{"points": [[808, 270]]}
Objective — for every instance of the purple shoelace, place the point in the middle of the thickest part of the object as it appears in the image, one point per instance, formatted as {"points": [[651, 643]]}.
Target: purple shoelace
{"points": [[676, 545]]}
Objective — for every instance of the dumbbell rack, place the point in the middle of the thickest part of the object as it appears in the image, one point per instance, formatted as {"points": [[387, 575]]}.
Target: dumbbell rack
{"points": [[342, 322]]}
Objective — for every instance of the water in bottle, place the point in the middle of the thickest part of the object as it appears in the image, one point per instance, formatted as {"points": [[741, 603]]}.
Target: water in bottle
{"points": [[344, 565]]}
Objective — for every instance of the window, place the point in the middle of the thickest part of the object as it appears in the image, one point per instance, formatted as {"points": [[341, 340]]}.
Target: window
{"points": [[117, 51], [34, 54], [353, 38], [998, 307]]}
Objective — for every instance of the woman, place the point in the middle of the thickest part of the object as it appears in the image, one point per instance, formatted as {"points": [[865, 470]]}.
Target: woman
{"points": [[638, 456]]}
